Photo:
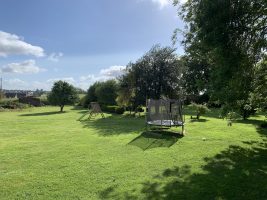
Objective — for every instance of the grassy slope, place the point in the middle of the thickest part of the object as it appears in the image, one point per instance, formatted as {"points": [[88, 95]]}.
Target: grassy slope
{"points": [[46, 155]]}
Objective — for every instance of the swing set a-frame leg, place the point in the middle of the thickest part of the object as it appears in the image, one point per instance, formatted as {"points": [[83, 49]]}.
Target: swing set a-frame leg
{"points": [[90, 115]]}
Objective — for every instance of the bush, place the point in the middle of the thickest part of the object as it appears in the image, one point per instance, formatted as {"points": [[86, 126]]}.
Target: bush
{"points": [[83, 102], [44, 102], [12, 104], [119, 110], [33, 101], [113, 109], [264, 125], [200, 109]]}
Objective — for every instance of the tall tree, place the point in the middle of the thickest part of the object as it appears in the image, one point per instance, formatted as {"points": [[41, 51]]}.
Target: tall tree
{"points": [[258, 96], [126, 89], [62, 94], [91, 94], [232, 35], [106, 92], [196, 76], [157, 73]]}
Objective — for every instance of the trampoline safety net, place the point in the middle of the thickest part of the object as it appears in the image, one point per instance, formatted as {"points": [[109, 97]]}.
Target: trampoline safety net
{"points": [[164, 112]]}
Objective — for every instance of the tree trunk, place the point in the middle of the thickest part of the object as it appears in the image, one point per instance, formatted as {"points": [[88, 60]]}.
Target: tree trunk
{"points": [[61, 108]]}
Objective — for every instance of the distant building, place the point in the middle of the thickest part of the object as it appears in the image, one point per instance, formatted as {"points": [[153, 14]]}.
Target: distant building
{"points": [[17, 93]]}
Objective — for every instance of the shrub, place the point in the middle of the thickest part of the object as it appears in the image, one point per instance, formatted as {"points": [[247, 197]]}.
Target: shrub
{"points": [[112, 109], [264, 125], [119, 110], [44, 102], [12, 104], [33, 101], [200, 109], [83, 102]]}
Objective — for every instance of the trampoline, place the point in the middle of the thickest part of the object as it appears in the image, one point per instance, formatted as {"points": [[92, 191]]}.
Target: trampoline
{"points": [[165, 112], [165, 123]]}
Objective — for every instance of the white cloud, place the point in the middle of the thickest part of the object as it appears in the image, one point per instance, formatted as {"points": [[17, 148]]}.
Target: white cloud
{"points": [[182, 1], [67, 79], [82, 82], [11, 44], [15, 84], [25, 67], [104, 74], [113, 71], [162, 3], [55, 56]]}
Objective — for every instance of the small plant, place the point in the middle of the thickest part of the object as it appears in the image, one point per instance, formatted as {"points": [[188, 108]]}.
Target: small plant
{"points": [[200, 109], [231, 116]]}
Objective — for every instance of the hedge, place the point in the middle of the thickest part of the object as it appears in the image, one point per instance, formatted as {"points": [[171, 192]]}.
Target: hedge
{"points": [[113, 109]]}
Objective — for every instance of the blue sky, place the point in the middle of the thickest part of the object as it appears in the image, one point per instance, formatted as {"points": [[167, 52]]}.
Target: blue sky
{"points": [[80, 41]]}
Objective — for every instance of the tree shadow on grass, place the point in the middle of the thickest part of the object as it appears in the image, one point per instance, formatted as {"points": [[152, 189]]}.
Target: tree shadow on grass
{"points": [[154, 139], [115, 125], [235, 173], [198, 120], [256, 123], [42, 114]]}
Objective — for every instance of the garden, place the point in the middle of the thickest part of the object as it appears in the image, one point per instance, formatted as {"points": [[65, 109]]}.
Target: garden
{"points": [[46, 154], [169, 126]]}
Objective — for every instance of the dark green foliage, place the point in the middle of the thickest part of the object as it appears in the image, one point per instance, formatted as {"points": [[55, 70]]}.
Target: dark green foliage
{"points": [[126, 89], [119, 110], [156, 74], [12, 104], [200, 109], [44, 101], [231, 37], [83, 102], [33, 101], [106, 92], [197, 74], [62, 94], [258, 97], [112, 109], [90, 95], [264, 125], [80, 90]]}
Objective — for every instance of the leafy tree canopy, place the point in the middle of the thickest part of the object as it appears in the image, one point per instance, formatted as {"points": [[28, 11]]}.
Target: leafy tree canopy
{"points": [[157, 73], [62, 94], [231, 37], [104, 93]]}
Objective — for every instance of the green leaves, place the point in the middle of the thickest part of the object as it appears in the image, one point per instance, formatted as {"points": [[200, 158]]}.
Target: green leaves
{"points": [[62, 94], [230, 36], [156, 73]]}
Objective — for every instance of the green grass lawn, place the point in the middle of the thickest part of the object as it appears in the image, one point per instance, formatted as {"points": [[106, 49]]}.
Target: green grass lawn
{"points": [[49, 155]]}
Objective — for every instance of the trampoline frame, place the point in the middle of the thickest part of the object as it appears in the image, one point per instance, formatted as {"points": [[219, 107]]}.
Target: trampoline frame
{"points": [[171, 118]]}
